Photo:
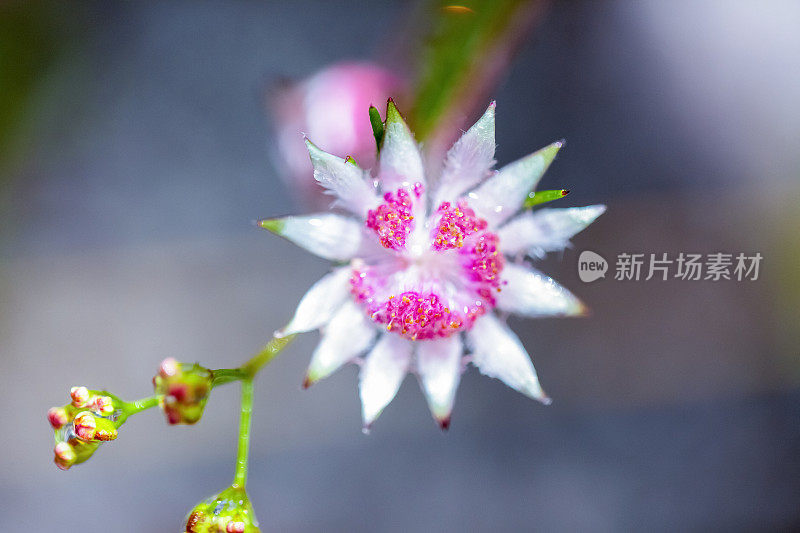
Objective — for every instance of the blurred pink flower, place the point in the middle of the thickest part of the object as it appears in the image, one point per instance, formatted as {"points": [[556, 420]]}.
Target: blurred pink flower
{"points": [[330, 107]]}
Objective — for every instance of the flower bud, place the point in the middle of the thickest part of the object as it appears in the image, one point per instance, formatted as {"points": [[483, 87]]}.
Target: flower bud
{"points": [[90, 427], [330, 107], [57, 416], [80, 396], [84, 425], [73, 451], [103, 405], [235, 527], [64, 455], [182, 390], [229, 512], [169, 367]]}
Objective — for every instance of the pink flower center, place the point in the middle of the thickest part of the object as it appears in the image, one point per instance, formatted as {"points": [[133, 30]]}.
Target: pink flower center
{"points": [[441, 292], [392, 220], [455, 224], [484, 262], [413, 314]]}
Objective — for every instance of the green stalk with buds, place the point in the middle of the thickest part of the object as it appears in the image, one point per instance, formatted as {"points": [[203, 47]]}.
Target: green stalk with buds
{"points": [[181, 390]]}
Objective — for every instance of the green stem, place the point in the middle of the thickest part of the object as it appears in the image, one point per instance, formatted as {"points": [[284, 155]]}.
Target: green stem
{"points": [[249, 369], [136, 406], [246, 373], [240, 479], [267, 354], [227, 375]]}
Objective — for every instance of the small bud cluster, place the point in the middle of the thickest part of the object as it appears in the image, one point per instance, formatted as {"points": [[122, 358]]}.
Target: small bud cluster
{"points": [[227, 512], [80, 426], [182, 390]]}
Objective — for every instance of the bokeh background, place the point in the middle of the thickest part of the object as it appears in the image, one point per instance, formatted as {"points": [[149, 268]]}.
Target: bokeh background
{"points": [[135, 151]]}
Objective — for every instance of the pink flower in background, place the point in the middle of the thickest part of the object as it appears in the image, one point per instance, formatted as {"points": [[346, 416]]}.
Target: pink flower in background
{"points": [[331, 108], [424, 271]]}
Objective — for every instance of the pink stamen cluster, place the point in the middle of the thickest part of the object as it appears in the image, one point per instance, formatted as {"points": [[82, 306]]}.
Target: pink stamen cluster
{"points": [[412, 314], [483, 263], [455, 224], [392, 220]]}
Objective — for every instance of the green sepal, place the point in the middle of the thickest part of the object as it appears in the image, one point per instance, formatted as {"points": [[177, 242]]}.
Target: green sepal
{"points": [[106, 429], [275, 225], [83, 449], [541, 197], [378, 129]]}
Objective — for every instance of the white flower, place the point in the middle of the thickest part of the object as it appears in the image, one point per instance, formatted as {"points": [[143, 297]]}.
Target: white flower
{"points": [[424, 269]]}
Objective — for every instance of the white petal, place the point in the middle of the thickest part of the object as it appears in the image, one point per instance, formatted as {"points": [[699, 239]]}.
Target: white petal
{"points": [[346, 336], [530, 293], [320, 302], [349, 183], [498, 353], [327, 235], [400, 160], [469, 160], [439, 366], [502, 195], [546, 230], [382, 373]]}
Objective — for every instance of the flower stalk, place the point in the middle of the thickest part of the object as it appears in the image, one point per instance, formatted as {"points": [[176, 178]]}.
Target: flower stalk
{"points": [[246, 373], [266, 355], [245, 416], [136, 407]]}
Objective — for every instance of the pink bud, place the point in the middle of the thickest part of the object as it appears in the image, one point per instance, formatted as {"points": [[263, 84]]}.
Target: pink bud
{"points": [[57, 417], [169, 367], [64, 455], [104, 405], [85, 425], [80, 396], [235, 527], [331, 108]]}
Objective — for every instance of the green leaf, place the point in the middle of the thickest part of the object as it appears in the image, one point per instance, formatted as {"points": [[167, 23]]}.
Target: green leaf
{"points": [[536, 198], [463, 55], [377, 125]]}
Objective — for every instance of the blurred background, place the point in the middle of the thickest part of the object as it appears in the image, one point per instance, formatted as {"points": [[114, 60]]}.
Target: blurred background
{"points": [[138, 141]]}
